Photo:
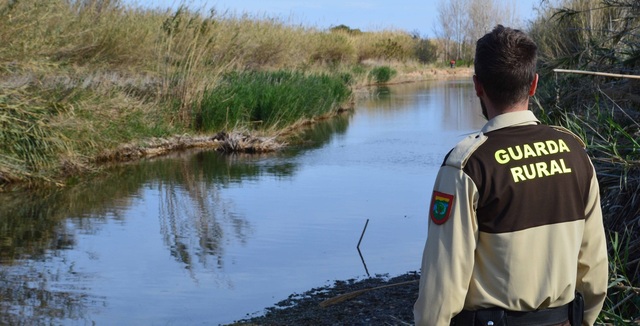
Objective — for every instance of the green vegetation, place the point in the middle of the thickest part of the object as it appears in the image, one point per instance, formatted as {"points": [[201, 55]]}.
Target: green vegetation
{"points": [[268, 100], [601, 36], [382, 74], [27, 139]]}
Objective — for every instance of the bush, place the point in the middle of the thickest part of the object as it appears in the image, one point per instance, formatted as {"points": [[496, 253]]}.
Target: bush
{"points": [[332, 48], [385, 45], [382, 74], [426, 51]]}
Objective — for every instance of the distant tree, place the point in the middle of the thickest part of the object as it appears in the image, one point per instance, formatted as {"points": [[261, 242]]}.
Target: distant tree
{"points": [[462, 22], [443, 29], [486, 14], [426, 50], [345, 29], [453, 18], [481, 18]]}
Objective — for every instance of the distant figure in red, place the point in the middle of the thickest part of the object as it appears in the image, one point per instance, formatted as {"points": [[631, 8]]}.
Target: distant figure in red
{"points": [[452, 63]]}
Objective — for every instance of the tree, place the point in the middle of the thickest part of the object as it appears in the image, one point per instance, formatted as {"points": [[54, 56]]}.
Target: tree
{"points": [[444, 31], [486, 14], [462, 22], [453, 18], [426, 50]]}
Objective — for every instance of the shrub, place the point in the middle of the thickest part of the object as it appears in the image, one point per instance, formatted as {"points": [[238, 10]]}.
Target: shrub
{"points": [[332, 48], [426, 51], [382, 74]]}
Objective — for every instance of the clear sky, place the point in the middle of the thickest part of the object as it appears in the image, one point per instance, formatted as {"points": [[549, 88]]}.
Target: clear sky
{"points": [[367, 15]]}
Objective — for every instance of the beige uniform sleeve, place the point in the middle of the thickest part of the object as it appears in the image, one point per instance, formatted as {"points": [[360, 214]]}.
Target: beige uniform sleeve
{"points": [[448, 257], [592, 275]]}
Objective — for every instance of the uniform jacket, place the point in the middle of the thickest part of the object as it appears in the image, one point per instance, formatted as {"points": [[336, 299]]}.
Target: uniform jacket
{"points": [[515, 222]]}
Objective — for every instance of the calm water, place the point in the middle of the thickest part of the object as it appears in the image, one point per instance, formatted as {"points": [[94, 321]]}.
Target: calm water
{"points": [[198, 238]]}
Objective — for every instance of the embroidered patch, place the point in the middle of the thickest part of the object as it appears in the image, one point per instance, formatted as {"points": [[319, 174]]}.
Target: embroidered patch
{"points": [[441, 204]]}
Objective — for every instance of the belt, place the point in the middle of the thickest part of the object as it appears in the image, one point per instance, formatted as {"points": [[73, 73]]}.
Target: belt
{"points": [[492, 316]]}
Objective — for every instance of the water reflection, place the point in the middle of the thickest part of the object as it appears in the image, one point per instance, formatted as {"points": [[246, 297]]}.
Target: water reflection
{"points": [[458, 107], [319, 135], [195, 222], [192, 213]]}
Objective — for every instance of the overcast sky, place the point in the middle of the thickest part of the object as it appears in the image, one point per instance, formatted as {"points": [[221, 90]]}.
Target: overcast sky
{"points": [[367, 15]]}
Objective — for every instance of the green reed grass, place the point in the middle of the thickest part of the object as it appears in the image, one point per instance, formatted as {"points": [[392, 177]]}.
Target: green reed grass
{"points": [[382, 74], [609, 135], [267, 100], [623, 299], [28, 142]]}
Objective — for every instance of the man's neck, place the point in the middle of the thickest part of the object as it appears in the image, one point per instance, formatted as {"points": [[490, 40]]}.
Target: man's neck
{"points": [[522, 106]]}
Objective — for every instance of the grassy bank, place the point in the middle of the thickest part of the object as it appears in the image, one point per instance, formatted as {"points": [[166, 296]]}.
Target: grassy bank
{"points": [[82, 78]]}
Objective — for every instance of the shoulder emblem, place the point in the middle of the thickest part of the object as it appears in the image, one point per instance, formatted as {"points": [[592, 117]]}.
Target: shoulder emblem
{"points": [[441, 204]]}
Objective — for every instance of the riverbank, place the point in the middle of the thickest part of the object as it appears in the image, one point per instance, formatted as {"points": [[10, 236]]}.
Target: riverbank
{"points": [[379, 300], [58, 151], [251, 142]]}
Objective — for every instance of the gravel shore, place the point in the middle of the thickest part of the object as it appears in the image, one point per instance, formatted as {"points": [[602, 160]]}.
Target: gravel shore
{"points": [[391, 305]]}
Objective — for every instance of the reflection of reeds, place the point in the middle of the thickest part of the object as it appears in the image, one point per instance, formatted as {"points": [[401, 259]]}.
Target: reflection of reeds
{"points": [[26, 298], [195, 221], [196, 225]]}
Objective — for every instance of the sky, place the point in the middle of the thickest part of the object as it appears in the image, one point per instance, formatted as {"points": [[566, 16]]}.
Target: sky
{"points": [[366, 15]]}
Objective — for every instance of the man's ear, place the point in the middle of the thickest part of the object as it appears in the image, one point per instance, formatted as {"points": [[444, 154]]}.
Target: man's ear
{"points": [[478, 86], [534, 85]]}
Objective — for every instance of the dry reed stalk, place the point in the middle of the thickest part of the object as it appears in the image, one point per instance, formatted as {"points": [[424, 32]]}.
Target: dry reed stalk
{"points": [[353, 294]]}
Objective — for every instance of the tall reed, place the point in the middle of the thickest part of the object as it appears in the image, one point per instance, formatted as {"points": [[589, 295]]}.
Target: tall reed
{"points": [[28, 141], [268, 100]]}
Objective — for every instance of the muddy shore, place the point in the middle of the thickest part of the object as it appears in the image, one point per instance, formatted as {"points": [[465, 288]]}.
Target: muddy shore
{"points": [[390, 305]]}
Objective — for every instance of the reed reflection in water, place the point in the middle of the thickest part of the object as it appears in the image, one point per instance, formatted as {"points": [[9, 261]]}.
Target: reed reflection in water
{"points": [[50, 273]]}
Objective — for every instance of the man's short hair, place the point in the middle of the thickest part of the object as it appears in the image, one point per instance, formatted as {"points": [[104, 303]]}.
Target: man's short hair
{"points": [[505, 64]]}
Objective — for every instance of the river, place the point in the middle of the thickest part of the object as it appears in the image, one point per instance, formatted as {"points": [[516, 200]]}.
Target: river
{"points": [[197, 237]]}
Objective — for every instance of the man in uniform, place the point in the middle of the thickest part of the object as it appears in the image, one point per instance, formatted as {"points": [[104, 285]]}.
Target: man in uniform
{"points": [[515, 227]]}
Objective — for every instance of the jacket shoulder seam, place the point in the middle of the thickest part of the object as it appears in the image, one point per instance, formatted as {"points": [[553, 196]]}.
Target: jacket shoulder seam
{"points": [[460, 154]]}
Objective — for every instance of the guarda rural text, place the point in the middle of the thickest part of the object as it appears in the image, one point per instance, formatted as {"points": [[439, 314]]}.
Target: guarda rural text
{"points": [[538, 169]]}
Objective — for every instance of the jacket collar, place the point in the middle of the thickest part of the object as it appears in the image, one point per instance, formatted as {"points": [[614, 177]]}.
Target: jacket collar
{"points": [[511, 119]]}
